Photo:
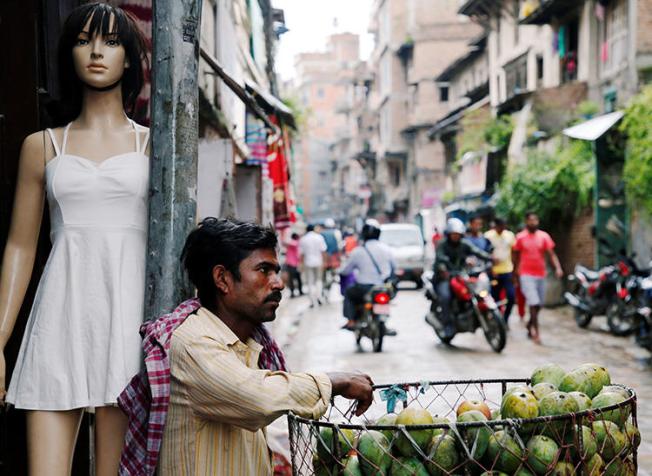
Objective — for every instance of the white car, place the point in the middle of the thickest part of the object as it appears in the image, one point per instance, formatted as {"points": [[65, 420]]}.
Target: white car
{"points": [[409, 248]]}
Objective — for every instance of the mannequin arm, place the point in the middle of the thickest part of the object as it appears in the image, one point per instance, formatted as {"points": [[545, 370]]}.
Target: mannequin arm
{"points": [[20, 251]]}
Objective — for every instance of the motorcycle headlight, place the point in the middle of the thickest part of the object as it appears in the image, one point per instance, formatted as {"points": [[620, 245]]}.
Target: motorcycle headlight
{"points": [[483, 284], [483, 293]]}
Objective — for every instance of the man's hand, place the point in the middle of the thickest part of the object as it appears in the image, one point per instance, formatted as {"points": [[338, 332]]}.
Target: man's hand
{"points": [[559, 273], [354, 386]]}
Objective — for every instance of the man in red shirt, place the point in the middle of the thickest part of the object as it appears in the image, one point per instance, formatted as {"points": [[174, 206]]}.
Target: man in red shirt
{"points": [[529, 257]]}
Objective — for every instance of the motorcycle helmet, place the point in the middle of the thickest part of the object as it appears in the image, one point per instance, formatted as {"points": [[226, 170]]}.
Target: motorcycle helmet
{"points": [[455, 225], [370, 230]]}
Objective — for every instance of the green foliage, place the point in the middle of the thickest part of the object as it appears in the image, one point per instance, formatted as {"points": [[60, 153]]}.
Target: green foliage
{"points": [[481, 132], [498, 132], [638, 162], [587, 109], [299, 112], [557, 186]]}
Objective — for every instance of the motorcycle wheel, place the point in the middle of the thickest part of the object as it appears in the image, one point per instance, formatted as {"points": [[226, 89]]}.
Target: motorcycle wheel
{"points": [[378, 336], [443, 338], [495, 333], [582, 318], [620, 319]]}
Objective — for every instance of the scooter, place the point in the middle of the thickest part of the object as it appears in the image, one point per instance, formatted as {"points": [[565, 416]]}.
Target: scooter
{"points": [[373, 315], [472, 307]]}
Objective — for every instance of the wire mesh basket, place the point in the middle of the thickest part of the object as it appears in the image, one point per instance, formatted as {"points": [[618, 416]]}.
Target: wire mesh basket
{"points": [[413, 429]]}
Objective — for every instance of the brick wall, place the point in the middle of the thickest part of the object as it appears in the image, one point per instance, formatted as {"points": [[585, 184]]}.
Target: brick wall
{"points": [[644, 32], [575, 243]]}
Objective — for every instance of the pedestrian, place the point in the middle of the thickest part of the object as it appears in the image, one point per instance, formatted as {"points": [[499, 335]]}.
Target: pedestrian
{"points": [[220, 398], [350, 241], [529, 256], [502, 240], [475, 236], [292, 265], [333, 238], [436, 236], [313, 256]]}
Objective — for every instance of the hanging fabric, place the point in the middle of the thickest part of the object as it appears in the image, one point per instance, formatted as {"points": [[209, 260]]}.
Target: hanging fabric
{"points": [[599, 11], [604, 52], [562, 41]]}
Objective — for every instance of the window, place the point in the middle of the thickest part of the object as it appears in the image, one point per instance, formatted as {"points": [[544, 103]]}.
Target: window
{"points": [[443, 93], [539, 70], [516, 76], [386, 74], [613, 38], [394, 172]]}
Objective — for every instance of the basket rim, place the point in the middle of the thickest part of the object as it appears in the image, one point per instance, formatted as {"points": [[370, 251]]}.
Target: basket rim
{"points": [[513, 422]]}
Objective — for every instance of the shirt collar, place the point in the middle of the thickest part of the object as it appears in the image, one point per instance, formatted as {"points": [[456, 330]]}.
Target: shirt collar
{"points": [[225, 332]]}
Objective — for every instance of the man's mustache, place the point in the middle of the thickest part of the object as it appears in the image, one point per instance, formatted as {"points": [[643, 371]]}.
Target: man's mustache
{"points": [[276, 296]]}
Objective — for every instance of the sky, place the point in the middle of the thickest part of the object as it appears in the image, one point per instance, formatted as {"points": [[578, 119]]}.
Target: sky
{"points": [[311, 21]]}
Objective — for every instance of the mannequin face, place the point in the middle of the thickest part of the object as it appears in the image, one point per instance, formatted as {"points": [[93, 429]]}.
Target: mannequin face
{"points": [[99, 60]]}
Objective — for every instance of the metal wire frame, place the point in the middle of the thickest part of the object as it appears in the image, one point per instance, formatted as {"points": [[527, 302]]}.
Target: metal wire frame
{"points": [[302, 446]]}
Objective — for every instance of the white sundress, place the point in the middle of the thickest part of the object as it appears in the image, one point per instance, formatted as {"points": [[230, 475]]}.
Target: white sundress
{"points": [[81, 344]]}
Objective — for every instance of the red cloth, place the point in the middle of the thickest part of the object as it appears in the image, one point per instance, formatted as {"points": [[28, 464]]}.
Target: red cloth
{"points": [[532, 249], [146, 398], [277, 167]]}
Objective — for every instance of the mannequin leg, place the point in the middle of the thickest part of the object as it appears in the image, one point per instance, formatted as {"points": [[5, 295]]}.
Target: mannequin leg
{"points": [[110, 429], [51, 438]]}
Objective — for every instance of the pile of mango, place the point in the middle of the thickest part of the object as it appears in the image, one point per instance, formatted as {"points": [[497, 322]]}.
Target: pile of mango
{"points": [[505, 445]]}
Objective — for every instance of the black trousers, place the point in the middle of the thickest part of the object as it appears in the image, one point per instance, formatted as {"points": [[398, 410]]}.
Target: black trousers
{"points": [[354, 296]]}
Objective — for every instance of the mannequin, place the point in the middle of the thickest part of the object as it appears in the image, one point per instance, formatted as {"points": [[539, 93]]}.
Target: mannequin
{"points": [[81, 344]]}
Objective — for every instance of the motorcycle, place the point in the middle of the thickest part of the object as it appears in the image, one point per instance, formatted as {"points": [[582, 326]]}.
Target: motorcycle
{"points": [[611, 291], [373, 315], [593, 292], [472, 307], [644, 314]]}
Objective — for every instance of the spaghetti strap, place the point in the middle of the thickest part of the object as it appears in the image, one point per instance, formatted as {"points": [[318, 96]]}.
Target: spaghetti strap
{"points": [[54, 142], [137, 132], [145, 143], [65, 139]]}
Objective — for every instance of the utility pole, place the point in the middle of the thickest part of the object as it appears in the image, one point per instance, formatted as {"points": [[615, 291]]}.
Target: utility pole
{"points": [[174, 132]]}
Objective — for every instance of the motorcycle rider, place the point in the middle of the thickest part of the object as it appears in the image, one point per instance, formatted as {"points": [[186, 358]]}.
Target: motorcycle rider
{"points": [[452, 254], [372, 263]]}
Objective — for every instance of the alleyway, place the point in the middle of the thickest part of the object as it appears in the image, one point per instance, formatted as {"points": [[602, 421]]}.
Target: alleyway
{"points": [[313, 341]]}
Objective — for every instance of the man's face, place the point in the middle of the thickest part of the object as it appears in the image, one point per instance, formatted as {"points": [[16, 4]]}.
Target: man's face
{"points": [[256, 296], [532, 223], [454, 237], [475, 226]]}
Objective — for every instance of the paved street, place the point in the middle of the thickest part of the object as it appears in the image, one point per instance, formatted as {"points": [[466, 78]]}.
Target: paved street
{"points": [[313, 341]]}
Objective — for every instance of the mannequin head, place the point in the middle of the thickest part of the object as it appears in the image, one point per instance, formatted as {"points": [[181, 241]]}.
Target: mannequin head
{"points": [[100, 48]]}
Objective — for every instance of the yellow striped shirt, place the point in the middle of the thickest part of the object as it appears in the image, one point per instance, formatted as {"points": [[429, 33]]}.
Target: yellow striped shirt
{"points": [[220, 402]]}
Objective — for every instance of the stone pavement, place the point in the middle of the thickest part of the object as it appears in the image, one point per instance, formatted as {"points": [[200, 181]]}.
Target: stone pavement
{"points": [[313, 341]]}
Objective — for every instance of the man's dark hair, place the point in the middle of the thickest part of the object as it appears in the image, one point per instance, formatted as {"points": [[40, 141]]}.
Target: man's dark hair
{"points": [[310, 228], [221, 241], [475, 217], [295, 236], [129, 35], [499, 221], [528, 214]]}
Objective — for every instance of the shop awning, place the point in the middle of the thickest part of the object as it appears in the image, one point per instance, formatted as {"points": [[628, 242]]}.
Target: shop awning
{"points": [[270, 103], [239, 91], [594, 128], [549, 9]]}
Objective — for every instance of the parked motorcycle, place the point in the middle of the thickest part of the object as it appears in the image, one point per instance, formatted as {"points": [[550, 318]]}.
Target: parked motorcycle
{"points": [[472, 307], [613, 291], [644, 314], [373, 315], [593, 292]]}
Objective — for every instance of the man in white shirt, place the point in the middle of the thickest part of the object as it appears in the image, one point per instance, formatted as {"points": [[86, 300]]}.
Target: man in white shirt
{"points": [[312, 247]]}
